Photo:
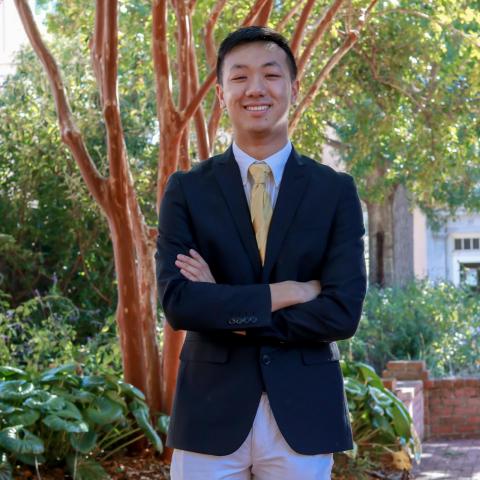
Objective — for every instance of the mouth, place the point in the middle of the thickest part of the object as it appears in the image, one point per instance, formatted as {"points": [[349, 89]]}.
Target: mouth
{"points": [[257, 108]]}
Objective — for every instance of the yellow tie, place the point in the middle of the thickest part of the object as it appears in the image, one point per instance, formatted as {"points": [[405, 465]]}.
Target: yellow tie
{"points": [[260, 205]]}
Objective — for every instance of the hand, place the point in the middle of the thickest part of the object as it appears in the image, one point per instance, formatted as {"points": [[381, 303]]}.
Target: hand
{"points": [[194, 267]]}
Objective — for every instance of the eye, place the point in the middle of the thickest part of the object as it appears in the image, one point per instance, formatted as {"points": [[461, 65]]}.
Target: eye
{"points": [[272, 75], [240, 77]]}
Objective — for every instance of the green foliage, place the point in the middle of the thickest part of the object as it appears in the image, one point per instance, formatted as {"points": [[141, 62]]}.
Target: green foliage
{"points": [[62, 416], [405, 104], [49, 330], [52, 232], [380, 422], [437, 323]]}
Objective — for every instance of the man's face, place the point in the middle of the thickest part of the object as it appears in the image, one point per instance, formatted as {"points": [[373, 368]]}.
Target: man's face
{"points": [[257, 89]]}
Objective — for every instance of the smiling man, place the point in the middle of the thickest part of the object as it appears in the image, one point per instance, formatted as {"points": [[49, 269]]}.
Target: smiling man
{"points": [[260, 259]]}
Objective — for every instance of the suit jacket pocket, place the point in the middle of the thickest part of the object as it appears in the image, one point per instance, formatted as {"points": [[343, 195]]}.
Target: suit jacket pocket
{"points": [[325, 353], [202, 351]]}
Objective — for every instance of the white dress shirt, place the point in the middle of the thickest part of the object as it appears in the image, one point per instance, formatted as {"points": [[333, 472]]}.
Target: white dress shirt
{"points": [[276, 162]]}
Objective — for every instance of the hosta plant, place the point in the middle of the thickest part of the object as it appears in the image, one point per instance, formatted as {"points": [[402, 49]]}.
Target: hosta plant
{"points": [[382, 427], [61, 417]]}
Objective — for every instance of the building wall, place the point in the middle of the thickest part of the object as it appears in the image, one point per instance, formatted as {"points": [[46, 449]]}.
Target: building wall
{"points": [[444, 259]]}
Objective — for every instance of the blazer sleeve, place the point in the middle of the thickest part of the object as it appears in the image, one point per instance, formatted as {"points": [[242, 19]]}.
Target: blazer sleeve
{"points": [[200, 306], [335, 313]]}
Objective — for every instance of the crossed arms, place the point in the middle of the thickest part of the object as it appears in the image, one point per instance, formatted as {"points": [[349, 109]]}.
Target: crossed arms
{"points": [[289, 311]]}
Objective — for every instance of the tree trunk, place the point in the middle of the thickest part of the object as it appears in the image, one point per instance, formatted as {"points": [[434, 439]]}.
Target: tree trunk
{"points": [[390, 240]]}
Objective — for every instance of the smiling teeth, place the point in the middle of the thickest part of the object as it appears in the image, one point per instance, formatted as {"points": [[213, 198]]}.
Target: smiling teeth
{"points": [[258, 109]]}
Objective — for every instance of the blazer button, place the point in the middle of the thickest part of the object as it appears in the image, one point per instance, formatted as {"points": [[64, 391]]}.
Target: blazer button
{"points": [[266, 359]]}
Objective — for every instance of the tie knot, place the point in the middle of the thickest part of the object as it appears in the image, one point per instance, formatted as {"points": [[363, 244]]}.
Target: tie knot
{"points": [[259, 172]]}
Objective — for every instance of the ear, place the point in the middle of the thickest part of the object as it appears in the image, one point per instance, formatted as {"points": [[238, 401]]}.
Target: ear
{"points": [[295, 90], [219, 92]]}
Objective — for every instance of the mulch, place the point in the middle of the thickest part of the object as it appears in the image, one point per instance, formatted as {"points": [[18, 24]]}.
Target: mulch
{"points": [[145, 465]]}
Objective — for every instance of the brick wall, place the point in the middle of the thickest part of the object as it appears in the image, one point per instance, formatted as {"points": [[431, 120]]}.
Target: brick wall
{"points": [[441, 408]]}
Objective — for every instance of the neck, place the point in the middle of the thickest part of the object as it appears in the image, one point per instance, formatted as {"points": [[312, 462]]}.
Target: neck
{"points": [[261, 147]]}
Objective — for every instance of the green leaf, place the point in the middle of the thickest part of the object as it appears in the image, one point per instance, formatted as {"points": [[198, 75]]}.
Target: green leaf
{"points": [[58, 373], [29, 459], [82, 396], [15, 389], [63, 424], [8, 372], [5, 408], [368, 374], [83, 442], [39, 399], [163, 422], [379, 396], [140, 412], [62, 408], [104, 411], [131, 391], [19, 440], [91, 382], [85, 469], [25, 418], [355, 388]]}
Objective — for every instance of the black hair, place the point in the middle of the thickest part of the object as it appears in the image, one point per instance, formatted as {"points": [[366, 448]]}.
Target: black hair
{"points": [[254, 34]]}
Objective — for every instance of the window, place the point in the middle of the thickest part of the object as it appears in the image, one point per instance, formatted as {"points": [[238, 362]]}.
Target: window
{"points": [[467, 243]]}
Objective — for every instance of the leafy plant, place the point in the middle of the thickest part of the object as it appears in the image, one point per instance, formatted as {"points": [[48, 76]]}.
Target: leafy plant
{"points": [[45, 330], [382, 426], [438, 323], [64, 417]]}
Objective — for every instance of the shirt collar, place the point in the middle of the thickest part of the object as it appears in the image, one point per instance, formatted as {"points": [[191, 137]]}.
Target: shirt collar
{"points": [[276, 162]]}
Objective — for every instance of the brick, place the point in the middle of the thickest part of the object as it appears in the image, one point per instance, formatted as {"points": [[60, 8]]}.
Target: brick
{"points": [[466, 392], [443, 429], [466, 428], [464, 410]]}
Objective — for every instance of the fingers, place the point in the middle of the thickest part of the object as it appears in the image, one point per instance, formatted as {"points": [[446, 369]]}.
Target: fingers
{"points": [[194, 268], [197, 256]]}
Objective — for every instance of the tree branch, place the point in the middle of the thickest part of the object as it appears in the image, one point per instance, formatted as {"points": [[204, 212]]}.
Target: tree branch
{"points": [[213, 121], [337, 56], [199, 116], [264, 14], [299, 32], [313, 90], [289, 15], [69, 132], [197, 98], [254, 11], [317, 35], [160, 58], [210, 49]]}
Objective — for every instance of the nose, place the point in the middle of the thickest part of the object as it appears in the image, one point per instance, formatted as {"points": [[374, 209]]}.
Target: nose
{"points": [[255, 87]]}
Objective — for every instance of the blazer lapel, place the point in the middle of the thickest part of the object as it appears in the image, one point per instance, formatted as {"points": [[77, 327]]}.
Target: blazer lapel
{"points": [[294, 181], [229, 179]]}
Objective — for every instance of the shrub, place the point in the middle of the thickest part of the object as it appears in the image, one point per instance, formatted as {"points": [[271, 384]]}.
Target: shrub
{"points": [[437, 323], [45, 331]]}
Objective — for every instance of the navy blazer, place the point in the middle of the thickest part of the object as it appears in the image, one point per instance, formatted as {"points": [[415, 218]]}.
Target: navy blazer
{"points": [[316, 232]]}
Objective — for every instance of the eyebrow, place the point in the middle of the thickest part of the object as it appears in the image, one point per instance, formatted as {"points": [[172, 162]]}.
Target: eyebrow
{"points": [[238, 66]]}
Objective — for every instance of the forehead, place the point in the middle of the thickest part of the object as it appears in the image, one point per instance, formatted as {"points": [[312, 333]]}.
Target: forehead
{"points": [[254, 55]]}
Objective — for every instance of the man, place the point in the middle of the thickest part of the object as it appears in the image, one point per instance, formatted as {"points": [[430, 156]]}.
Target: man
{"points": [[260, 259]]}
